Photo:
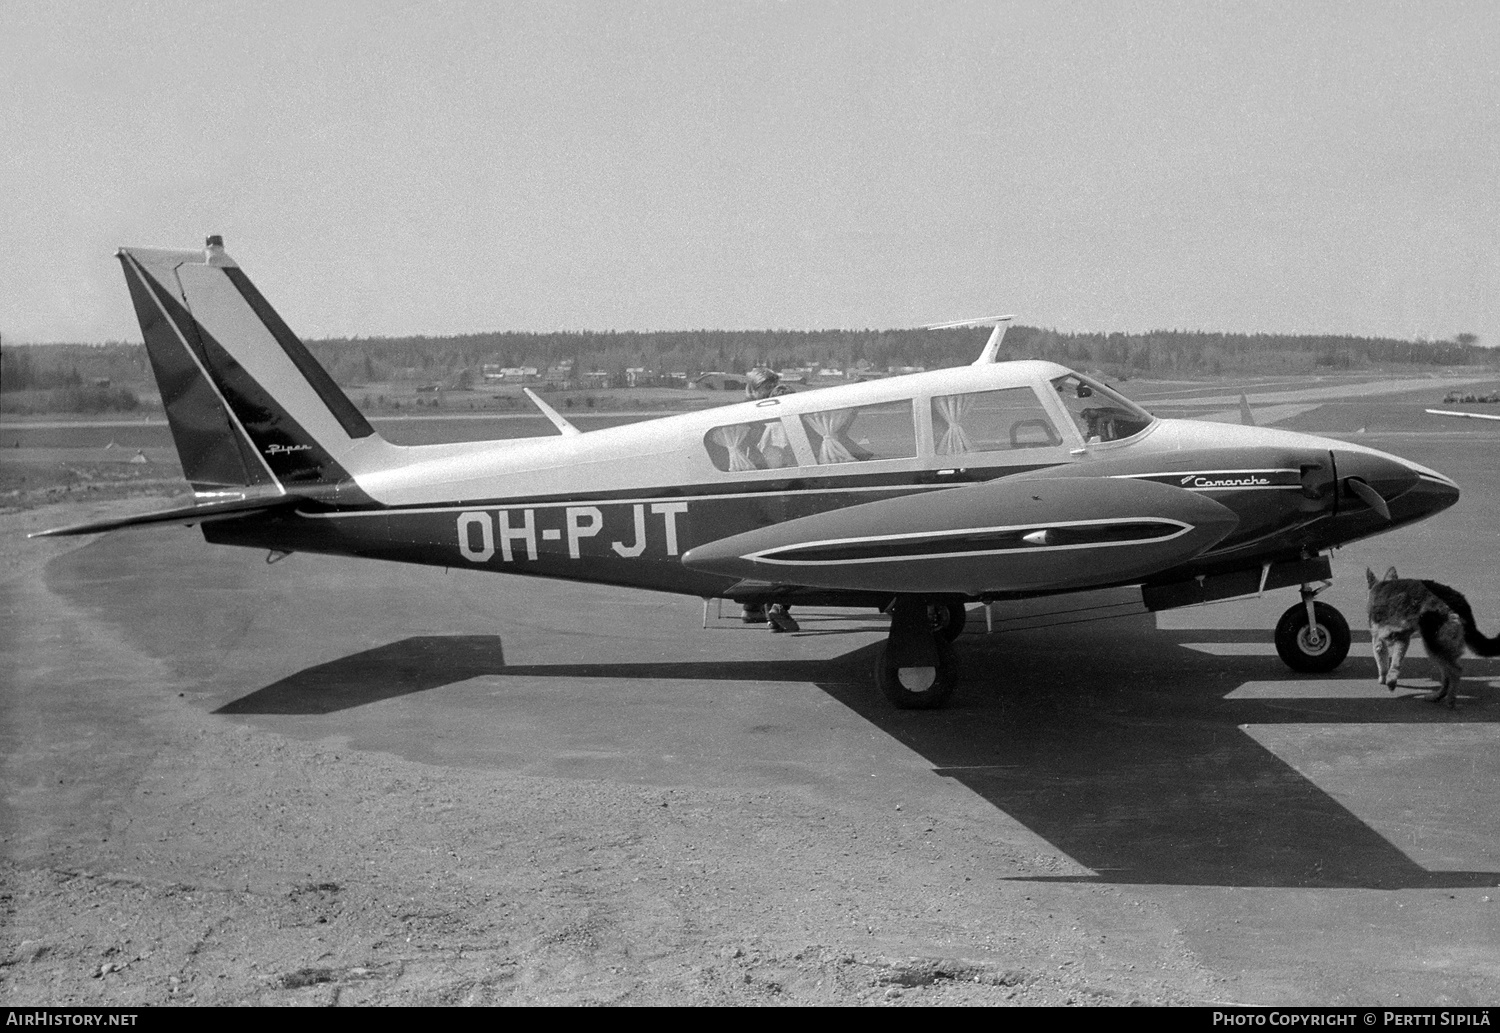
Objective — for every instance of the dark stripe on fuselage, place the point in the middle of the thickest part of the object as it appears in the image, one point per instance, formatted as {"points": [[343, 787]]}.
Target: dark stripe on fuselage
{"points": [[635, 542]]}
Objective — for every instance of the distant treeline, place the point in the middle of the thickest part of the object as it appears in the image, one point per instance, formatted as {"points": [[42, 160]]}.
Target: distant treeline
{"points": [[45, 366], [733, 351], [451, 359]]}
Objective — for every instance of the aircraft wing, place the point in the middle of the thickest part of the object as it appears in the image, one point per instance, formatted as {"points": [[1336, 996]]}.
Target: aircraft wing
{"points": [[1005, 535], [184, 515]]}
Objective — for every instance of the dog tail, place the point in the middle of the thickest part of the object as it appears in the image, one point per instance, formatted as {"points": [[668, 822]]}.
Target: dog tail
{"points": [[1478, 644]]}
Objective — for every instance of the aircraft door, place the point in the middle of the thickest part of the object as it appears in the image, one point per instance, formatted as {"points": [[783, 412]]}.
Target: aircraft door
{"points": [[1008, 426]]}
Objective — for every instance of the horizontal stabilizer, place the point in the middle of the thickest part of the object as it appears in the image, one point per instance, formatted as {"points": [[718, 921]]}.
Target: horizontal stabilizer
{"points": [[183, 515]]}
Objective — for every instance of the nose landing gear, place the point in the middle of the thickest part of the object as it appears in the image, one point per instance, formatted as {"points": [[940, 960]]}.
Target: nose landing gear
{"points": [[1312, 637]]}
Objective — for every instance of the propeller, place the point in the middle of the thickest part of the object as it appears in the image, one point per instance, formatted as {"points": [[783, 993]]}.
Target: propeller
{"points": [[1368, 495]]}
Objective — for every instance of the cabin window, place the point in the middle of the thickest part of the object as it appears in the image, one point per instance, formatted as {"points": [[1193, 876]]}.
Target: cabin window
{"points": [[1101, 413], [863, 433], [761, 445], [991, 421]]}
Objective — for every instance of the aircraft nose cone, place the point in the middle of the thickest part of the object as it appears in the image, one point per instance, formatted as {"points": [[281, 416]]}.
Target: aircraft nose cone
{"points": [[1431, 494]]}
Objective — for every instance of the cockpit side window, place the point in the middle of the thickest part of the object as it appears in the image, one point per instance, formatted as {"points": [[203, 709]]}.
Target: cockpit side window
{"points": [[1101, 414], [761, 445], [857, 435], [991, 421]]}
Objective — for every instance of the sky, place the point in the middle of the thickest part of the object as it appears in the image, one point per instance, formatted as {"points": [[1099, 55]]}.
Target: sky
{"points": [[383, 168]]}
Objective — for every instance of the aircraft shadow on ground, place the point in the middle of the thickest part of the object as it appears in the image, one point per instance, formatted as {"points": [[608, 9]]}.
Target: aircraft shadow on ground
{"points": [[385, 672], [1131, 757], [422, 663], [1125, 753]]}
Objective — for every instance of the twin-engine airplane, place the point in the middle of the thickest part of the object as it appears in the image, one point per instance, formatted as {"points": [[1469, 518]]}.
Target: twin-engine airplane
{"points": [[913, 495]]}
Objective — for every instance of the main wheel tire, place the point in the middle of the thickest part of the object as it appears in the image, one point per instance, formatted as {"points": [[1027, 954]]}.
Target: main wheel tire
{"points": [[917, 688], [948, 619], [1295, 641]]}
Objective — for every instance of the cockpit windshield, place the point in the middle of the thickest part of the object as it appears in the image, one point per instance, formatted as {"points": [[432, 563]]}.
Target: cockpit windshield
{"points": [[1102, 414]]}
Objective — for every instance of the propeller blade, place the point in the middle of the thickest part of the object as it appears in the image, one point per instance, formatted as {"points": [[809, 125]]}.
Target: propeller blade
{"points": [[1369, 496]]}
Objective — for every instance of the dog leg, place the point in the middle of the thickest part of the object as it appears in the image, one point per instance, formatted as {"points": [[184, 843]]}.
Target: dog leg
{"points": [[1437, 697], [1452, 674], [1398, 653], [1445, 645], [1382, 651]]}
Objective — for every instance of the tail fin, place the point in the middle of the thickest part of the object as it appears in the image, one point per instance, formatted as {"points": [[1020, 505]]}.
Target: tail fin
{"points": [[1479, 644], [251, 411]]}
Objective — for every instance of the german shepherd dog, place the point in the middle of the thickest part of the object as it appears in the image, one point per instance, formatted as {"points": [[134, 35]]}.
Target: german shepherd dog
{"points": [[1401, 607]]}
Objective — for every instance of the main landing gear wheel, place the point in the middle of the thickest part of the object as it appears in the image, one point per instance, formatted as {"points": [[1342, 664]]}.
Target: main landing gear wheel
{"points": [[948, 619], [1315, 647], [917, 688]]}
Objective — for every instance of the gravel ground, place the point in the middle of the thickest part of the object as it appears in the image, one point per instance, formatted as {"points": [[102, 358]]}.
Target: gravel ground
{"points": [[156, 854]]}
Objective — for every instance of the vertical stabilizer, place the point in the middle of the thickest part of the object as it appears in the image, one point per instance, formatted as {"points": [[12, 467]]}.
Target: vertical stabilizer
{"points": [[249, 407]]}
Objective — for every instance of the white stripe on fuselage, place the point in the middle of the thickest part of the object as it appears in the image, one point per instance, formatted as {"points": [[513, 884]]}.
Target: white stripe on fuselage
{"points": [[767, 555], [585, 501]]}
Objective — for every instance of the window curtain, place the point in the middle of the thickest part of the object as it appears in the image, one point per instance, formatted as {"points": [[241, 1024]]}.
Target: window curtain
{"points": [[775, 447], [830, 427], [953, 409], [735, 440]]}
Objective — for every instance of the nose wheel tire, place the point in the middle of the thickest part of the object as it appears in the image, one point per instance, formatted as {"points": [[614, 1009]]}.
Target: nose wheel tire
{"points": [[1315, 648], [948, 619], [917, 688]]}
